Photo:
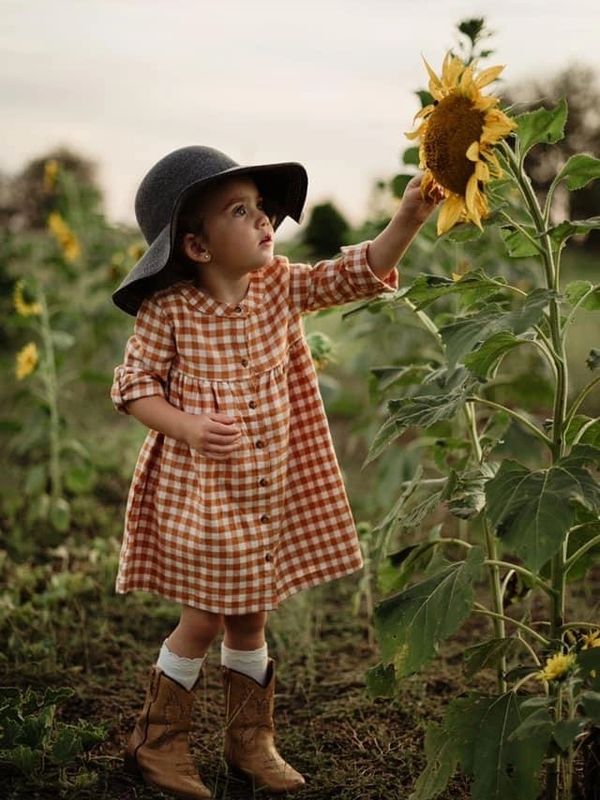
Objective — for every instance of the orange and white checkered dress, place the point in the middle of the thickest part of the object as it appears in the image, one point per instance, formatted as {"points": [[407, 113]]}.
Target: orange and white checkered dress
{"points": [[239, 535]]}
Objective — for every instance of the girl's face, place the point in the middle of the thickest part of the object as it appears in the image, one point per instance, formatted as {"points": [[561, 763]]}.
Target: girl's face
{"points": [[237, 235]]}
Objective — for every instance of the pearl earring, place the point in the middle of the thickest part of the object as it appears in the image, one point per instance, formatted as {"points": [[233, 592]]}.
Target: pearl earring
{"points": [[206, 256]]}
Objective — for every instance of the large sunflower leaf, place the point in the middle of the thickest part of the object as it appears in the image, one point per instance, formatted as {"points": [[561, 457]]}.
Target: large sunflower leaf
{"points": [[501, 766], [487, 654], [564, 230], [482, 362], [442, 759], [580, 170], [427, 288], [461, 337], [411, 624], [420, 411], [575, 290], [541, 125], [533, 511], [517, 244]]}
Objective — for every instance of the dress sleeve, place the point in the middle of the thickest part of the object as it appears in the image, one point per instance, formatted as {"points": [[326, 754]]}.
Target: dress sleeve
{"points": [[341, 280], [148, 356]]}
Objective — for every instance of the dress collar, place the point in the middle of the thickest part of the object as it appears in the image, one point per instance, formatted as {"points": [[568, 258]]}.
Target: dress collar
{"points": [[209, 305]]}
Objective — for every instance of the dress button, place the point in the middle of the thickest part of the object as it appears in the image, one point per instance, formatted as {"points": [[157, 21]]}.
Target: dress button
{"points": [[268, 557], [244, 362], [264, 518], [260, 443], [238, 309], [252, 404], [263, 482]]}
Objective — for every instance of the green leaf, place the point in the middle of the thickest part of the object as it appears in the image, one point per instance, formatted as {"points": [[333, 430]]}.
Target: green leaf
{"points": [[483, 361], [411, 624], [425, 97], [463, 336], [566, 730], [464, 232], [62, 340], [35, 482], [501, 767], [564, 230], [577, 538], [442, 759], [589, 664], [381, 681], [399, 567], [591, 705], [467, 497], [533, 511], [80, 480], [542, 125], [517, 244], [66, 746], [410, 157], [399, 376], [419, 411], [577, 289], [580, 170], [487, 654], [25, 759], [60, 514], [425, 289], [399, 184]]}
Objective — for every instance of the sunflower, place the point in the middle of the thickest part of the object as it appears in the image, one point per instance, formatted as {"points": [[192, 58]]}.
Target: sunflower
{"points": [[457, 134], [24, 306], [557, 667], [65, 237], [27, 360]]}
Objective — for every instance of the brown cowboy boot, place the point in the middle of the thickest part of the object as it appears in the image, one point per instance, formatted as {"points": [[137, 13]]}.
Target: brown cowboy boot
{"points": [[158, 747], [250, 733]]}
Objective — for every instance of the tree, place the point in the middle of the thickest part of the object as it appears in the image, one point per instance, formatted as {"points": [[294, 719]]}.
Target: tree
{"points": [[326, 230], [579, 85]]}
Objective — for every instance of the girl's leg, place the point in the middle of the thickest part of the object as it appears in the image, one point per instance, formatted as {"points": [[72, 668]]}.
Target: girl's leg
{"points": [[183, 653], [244, 648]]}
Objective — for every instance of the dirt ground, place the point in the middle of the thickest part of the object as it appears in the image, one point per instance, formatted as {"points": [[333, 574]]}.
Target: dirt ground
{"points": [[348, 746]]}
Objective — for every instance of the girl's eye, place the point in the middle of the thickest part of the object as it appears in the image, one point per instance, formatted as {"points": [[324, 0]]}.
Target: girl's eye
{"points": [[239, 211]]}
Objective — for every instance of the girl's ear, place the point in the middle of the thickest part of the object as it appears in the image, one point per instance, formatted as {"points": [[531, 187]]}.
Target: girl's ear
{"points": [[194, 249]]}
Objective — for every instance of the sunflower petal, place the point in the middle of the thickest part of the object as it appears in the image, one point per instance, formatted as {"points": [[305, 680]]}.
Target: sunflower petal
{"points": [[488, 75], [451, 211], [473, 152], [435, 84]]}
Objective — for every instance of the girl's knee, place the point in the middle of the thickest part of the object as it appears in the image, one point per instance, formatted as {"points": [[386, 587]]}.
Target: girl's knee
{"points": [[205, 624], [247, 623]]}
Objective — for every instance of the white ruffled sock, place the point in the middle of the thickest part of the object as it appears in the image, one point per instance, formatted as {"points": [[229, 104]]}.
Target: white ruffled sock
{"points": [[252, 663], [183, 670]]}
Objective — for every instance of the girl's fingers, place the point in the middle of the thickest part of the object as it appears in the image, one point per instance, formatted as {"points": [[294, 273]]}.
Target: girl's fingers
{"points": [[220, 429]]}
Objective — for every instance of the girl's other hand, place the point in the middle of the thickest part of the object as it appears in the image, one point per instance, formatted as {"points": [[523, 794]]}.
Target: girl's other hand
{"points": [[214, 435]]}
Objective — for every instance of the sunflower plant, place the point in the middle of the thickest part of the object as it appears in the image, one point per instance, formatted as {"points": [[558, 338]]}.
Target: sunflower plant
{"points": [[528, 529]]}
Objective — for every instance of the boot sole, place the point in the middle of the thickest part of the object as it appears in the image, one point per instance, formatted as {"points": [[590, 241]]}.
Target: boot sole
{"points": [[131, 766], [250, 778]]}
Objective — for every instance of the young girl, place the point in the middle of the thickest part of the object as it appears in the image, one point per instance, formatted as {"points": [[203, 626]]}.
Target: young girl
{"points": [[237, 499]]}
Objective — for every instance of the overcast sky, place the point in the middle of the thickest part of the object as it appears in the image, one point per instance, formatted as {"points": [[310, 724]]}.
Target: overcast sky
{"points": [[328, 83]]}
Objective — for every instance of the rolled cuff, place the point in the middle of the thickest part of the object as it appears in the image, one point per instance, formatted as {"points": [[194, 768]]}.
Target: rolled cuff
{"points": [[130, 384], [360, 274]]}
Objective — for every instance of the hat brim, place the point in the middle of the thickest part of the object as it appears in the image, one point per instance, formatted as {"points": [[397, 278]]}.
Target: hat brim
{"points": [[284, 185]]}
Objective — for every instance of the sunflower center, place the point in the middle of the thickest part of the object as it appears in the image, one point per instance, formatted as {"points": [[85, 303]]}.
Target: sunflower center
{"points": [[452, 126]]}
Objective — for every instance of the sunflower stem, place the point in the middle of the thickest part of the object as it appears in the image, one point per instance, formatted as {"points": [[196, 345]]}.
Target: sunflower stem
{"points": [[515, 414], [51, 397]]}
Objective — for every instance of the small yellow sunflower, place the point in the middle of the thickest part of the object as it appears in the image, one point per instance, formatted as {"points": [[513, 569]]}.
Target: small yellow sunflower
{"points": [[591, 640], [27, 360], [557, 666], [23, 306], [65, 237], [50, 174], [457, 135]]}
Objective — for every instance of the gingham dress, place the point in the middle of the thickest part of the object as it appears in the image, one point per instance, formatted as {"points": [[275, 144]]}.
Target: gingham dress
{"points": [[239, 535]]}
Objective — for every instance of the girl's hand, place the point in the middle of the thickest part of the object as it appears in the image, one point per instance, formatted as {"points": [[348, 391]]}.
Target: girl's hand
{"points": [[414, 205], [213, 435]]}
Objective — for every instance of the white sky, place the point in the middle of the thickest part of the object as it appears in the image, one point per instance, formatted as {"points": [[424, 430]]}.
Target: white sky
{"points": [[328, 83]]}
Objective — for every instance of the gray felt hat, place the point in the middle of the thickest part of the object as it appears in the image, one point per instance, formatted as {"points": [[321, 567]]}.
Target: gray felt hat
{"points": [[165, 188]]}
